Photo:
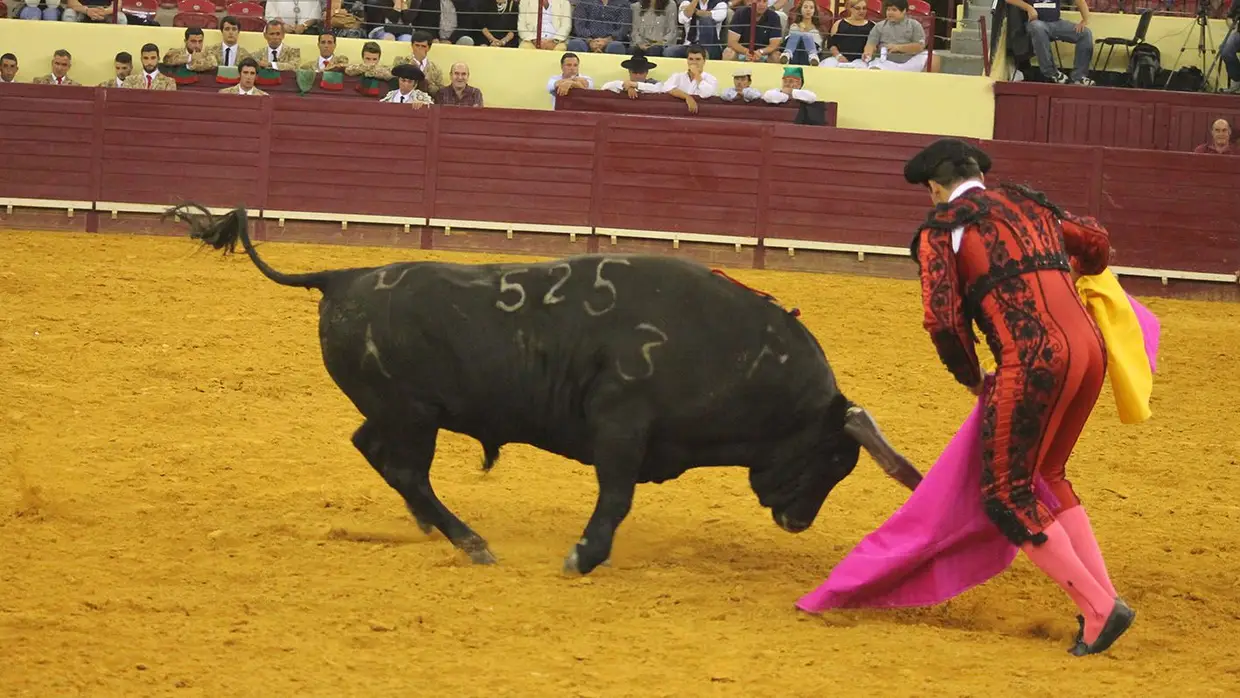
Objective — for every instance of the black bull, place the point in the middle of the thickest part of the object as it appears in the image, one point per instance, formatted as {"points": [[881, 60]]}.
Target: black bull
{"points": [[642, 366]]}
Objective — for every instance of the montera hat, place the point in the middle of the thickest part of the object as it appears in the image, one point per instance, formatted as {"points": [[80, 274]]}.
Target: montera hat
{"points": [[408, 71], [920, 168]]}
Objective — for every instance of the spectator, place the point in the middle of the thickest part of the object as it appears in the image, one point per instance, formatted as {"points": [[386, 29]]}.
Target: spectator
{"points": [[471, 15], [847, 39], [124, 66], [654, 26], [191, 55], [601, 26], [703, 22], [557, 21], [1220, 140], [276, 55], [62, 61], [499, 28], [766, 38], [372, 74], [803, 33], [639, 68], [903, 38], [31, 10], [1045, 25], [327, 59], [420, 49], [569, 77], [693, 83], [227, 52], [247, 70], [408, 77], [296, 15], [1229, 50], [92, 11], [459, 93], [150, 78], [793, 88], [8, 68], [742, 85]]}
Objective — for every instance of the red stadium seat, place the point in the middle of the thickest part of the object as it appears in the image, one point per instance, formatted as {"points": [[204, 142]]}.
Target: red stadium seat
{"points": [[141, 8], [199, 7], [249, 15], [195, 19]]}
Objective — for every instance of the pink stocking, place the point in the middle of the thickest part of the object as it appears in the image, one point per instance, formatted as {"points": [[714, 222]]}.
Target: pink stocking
{"points": [[1058, 560], [1076, 523]]}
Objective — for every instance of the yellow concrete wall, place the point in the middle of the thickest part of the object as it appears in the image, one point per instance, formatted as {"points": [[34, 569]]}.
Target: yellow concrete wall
{"points": [[946, 104]]}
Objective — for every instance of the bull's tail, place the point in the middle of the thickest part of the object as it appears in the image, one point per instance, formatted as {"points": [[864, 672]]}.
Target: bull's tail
{"points": [[861, 426], [223, 232]]}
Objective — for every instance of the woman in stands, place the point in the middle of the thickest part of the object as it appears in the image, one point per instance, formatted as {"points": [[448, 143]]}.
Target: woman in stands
{"points": [[1004, 257], [846, 41], [803, 32]]}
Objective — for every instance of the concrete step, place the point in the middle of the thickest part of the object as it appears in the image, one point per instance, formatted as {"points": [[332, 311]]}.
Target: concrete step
{"points": [[958, 63], [967, 41]]}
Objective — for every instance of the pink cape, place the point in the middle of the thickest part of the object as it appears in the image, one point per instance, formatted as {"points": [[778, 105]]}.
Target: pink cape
{"points": [[940, 543]]}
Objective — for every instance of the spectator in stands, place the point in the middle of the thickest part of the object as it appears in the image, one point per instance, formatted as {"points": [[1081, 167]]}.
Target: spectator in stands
{"points": [[124, 66], [150, 78], [191, 55], [297, 15], [601, 26], [1045, 25], [569, 77], [742, 85], [62, 61], [227, 52], [903, 38], [1220, 140], [768, 34], [92, 11], [793, 88], [370, 66], [327, 59], [276, 55], [247, 70], [654, 26], [694, 82], [420, 49], [803, 33], [499, 28], [557, 22], [847, 39], [639, 80], [703, 22], [458, 92], [408, 77], [32, 10], [1229, 50], [8, 68]]}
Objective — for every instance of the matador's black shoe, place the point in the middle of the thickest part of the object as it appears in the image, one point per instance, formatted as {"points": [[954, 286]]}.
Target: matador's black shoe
{"points": [[1117, 623]]}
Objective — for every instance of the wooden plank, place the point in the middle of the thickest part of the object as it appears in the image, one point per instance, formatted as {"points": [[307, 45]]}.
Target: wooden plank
{"points": [[546, 145], [484, 185]]}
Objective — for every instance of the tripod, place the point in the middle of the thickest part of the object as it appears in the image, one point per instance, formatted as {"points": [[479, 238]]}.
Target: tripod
{"points": [[1202, 21], [1218, 59]]}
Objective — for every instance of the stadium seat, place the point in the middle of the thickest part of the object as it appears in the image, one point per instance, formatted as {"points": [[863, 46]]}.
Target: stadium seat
{"points": [[195, 19], [249, 15], [1143, 26]]}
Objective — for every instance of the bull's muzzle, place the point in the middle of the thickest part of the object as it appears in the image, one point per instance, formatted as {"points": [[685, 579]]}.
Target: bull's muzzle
{"points": [[790, 524]]}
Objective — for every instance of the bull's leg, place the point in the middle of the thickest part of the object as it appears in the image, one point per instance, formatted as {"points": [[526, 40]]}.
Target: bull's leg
{"points": [[402, 455], [861, 426], [617, 462]]}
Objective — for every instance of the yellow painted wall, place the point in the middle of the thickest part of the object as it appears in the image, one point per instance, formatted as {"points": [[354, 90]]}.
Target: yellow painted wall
{"points": [[946, 104]]}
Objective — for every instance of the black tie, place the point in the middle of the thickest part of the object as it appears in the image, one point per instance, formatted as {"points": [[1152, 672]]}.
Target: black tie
{"points": [[227, 55]]}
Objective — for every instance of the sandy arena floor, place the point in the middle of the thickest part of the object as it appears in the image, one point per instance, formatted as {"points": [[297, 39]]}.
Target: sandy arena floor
{"points": [[181, 512]]}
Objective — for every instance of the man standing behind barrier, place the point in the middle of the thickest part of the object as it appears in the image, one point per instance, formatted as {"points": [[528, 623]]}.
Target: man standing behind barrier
{"points": [[694, 82], [1046, 25], [1004, 259], [1231, 47]]}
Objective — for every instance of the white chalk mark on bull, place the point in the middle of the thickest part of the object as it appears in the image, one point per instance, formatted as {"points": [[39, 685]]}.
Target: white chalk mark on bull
{"points": [[600, 282], [767, 351], [373, 350], [645, 353], [550, 298], [383, 285], [505, 287]]}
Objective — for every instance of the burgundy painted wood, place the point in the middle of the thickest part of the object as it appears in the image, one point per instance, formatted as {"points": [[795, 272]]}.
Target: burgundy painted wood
{"points": [[608, 102], [1120, 117], [725, 177]]}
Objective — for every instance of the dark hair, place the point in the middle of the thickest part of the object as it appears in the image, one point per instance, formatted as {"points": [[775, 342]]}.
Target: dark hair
{"points": [[567, 55], [901, 5], [229, 19], [62, 53], [8, 57], [124, 57], [193, 31], [695, 49], [950, 171], [421, 36], [371, 47], [247, 62], [150, 48], [796, 16], [659, 5]]}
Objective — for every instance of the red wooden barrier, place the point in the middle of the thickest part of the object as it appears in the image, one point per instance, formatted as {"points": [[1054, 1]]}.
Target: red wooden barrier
{"points": [[1120, 117], [607, 102], [768, 186]]}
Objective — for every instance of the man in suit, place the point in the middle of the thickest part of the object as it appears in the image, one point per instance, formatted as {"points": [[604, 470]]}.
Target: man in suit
{"points": [[124, 66], [276, 55], [150, 78], [327, 59], [369, 67], [408, 77], [228, 52], [62, 61], [192, 54], [8, 68], [420, 48], [248, 70]]}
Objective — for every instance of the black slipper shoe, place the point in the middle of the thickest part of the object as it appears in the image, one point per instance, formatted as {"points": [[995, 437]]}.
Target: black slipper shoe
{"points": [[1118, 622]]}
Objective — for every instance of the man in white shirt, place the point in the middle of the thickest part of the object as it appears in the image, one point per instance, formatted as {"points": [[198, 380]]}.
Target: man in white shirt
{"points": [[794, 81], [694, 82], [227, 52], [702, 20], [569, 77], [639, 68], [275, 54], [296, 14], [247, 74]]}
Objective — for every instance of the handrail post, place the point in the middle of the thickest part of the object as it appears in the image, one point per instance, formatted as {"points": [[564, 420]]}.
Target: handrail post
{"points": [[930, 46], [981, 26]]}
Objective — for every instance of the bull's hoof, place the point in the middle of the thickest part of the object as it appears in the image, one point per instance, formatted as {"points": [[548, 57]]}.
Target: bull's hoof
{"points": [[789, 525], [482, 557], [575, 566]]}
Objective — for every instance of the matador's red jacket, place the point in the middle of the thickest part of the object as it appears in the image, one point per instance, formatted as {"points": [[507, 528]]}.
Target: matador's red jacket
{"points": [[1004, 232]]}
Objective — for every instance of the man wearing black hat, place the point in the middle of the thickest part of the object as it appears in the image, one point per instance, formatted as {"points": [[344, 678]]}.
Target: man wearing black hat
{"points": [[408, 76], [639, 68], [1004, 258]]}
